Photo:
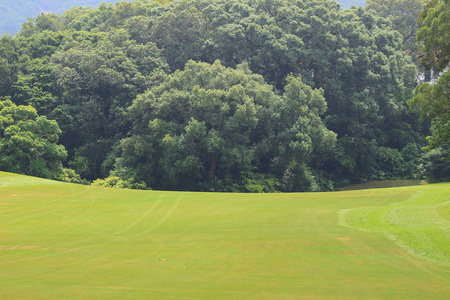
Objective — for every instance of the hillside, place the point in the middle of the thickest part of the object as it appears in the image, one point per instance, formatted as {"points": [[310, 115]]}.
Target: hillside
{"points": [[14, 13], [68, 241]]}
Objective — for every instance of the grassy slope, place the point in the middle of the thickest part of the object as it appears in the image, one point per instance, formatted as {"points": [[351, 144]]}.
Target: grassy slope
{"points": [[420, 225], [379, 184], [77, 242]]}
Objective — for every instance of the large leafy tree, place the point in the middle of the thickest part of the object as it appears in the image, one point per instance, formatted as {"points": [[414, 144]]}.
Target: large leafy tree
{"points": [[28, 142], [434, 99], [434, 103], [403, 14], [434, 22], [8, 64], [353, 55], [210, 123], [96, 82], [180, 33]]}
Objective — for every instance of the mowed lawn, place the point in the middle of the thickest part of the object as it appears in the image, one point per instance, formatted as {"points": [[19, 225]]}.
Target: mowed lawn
{"points": [[66, 241]]}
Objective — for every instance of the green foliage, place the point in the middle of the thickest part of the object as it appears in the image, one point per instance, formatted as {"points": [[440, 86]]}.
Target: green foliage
{"points": [[180, 33], [28, 142], [8, 64], [390, 163], [96, 82], [209, 122], [112, 79], [436, 164], [412, 160], [434, 31], [367, 161], [403, 14], [434, 104], [364, 73], [116, 182], [260, 183], [71, 176], [249, 182], [433, 100]]}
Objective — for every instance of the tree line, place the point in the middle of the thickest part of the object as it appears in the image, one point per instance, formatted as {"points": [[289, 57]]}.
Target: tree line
{"points": [[215, 95], [14, 13]]}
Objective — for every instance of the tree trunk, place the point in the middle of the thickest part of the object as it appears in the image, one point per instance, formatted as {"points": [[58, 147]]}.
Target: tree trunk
{"points": [[427, 75], [229, 170], [212, 168]]}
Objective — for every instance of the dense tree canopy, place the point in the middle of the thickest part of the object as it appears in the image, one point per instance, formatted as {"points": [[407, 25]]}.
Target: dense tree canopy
{"points": [[253, 95], [435, 33], [96, 82], [434, 99], [402, 13], [14, 13], [28, 142], [209, 122]]}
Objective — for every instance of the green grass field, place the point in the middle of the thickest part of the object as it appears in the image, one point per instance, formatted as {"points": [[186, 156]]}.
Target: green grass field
{"points": [[65, 241]]}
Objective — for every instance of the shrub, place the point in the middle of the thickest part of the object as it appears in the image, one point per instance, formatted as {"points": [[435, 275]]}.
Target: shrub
{"points": [[436, 165], [117, 182]]}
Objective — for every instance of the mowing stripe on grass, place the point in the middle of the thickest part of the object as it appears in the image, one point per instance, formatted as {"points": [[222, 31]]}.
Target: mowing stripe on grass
{"points": [[66, 241], [420, 225]]}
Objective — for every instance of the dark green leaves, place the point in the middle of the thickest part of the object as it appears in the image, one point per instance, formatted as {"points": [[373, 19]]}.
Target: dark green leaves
{"points": [[28, 142], [209, 123]]}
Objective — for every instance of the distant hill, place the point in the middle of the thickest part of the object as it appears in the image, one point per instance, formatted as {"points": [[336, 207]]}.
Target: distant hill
{"points": [[14, 12]]}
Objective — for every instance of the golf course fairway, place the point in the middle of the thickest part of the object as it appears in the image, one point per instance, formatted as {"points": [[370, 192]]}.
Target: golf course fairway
{"points": [[67, 241]]}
